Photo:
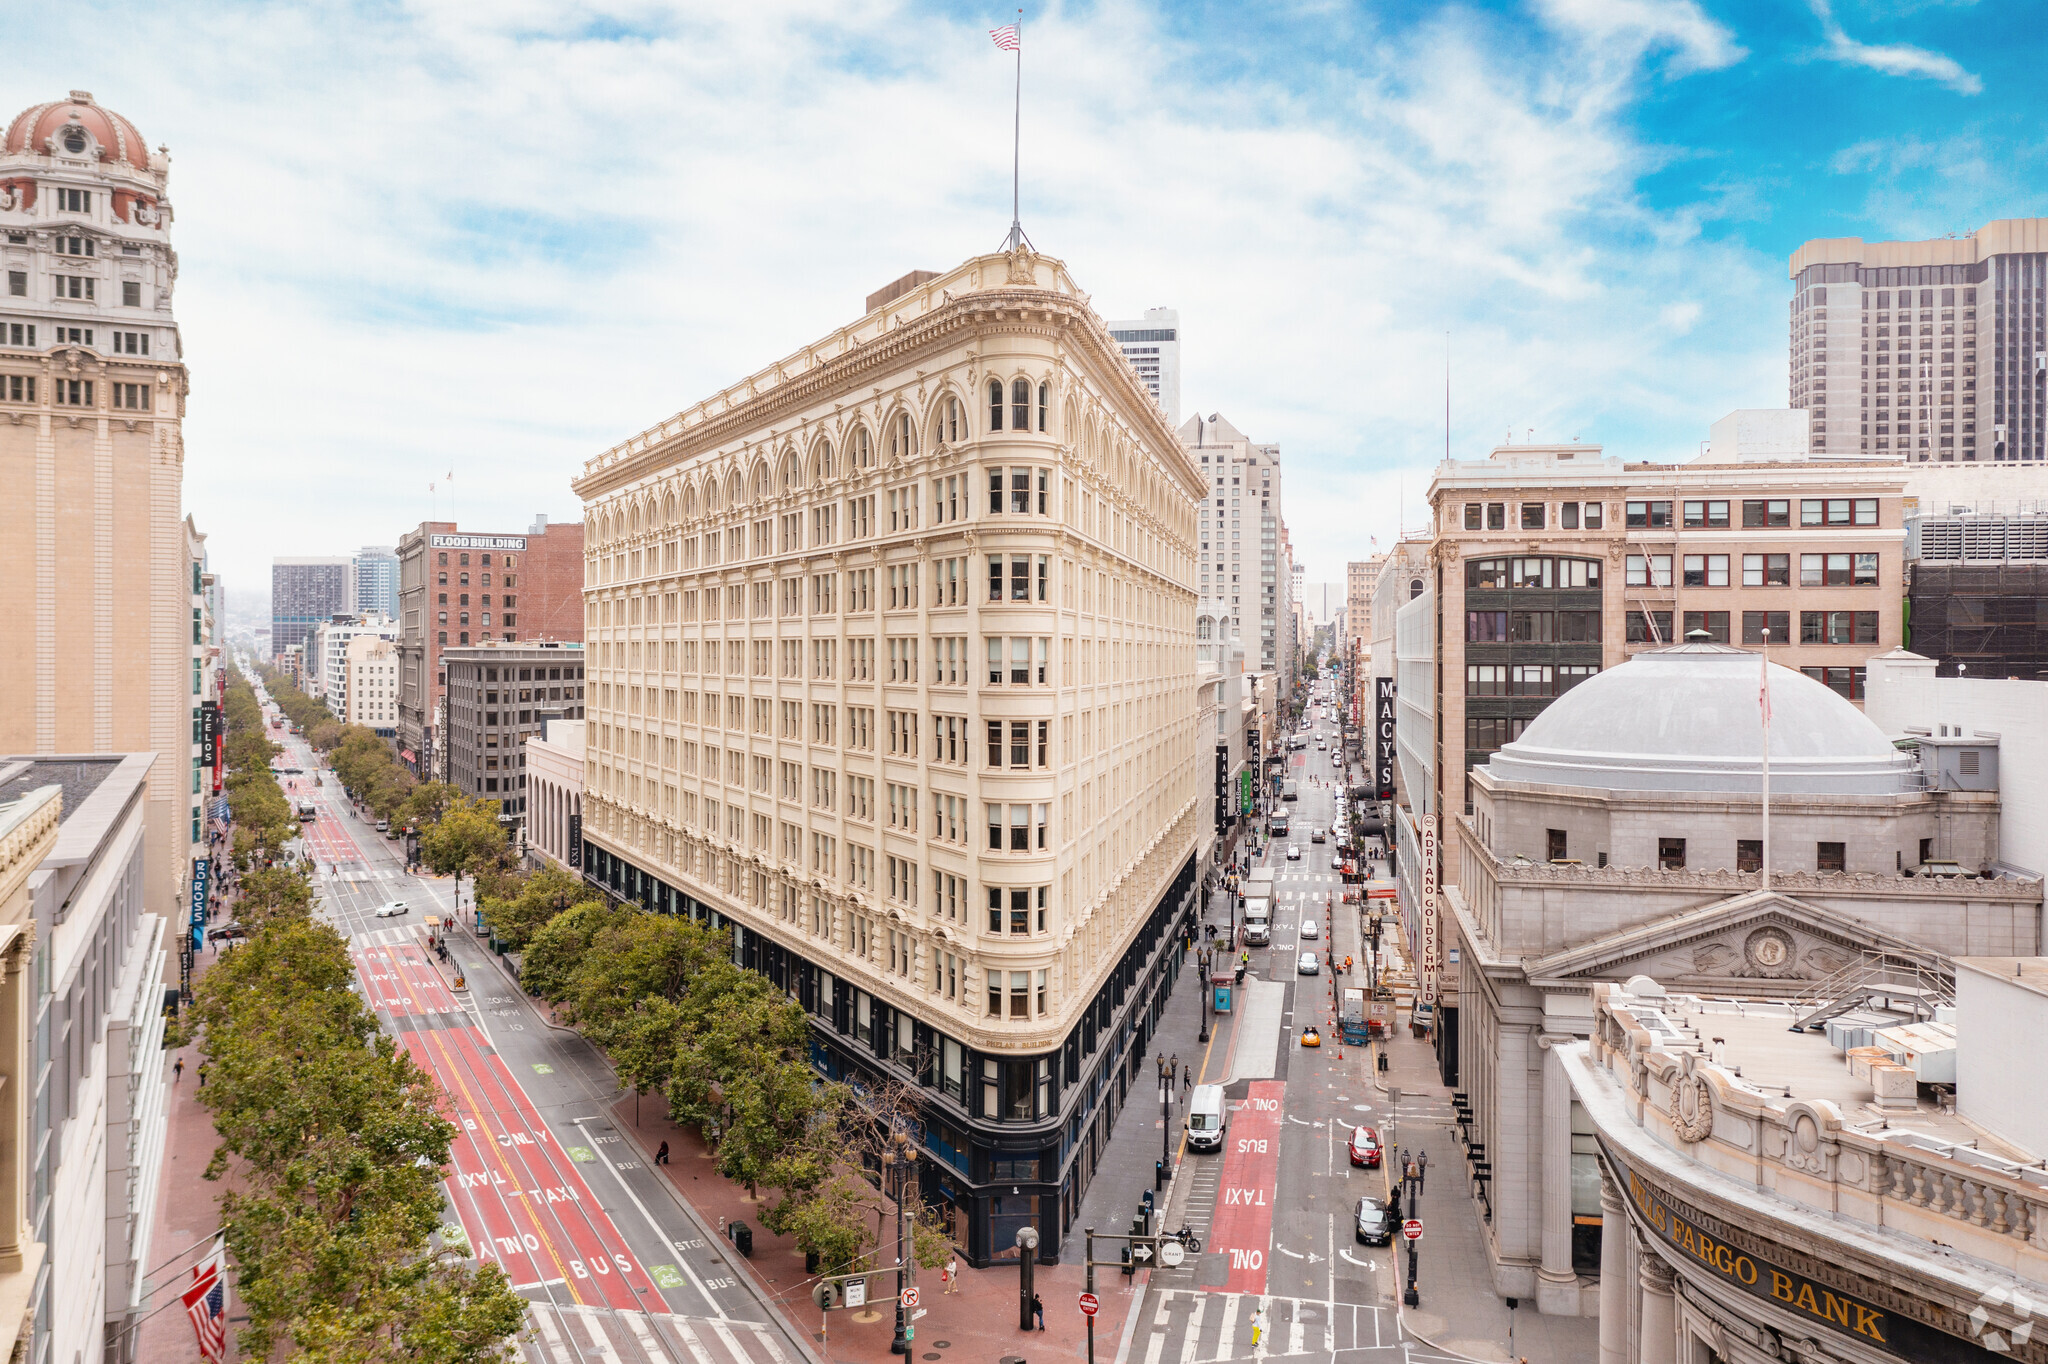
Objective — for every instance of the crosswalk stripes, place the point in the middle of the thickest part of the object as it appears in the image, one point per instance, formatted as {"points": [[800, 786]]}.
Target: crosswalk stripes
{"points": [[578, 1334], [1197, 1327], [381, 937]]}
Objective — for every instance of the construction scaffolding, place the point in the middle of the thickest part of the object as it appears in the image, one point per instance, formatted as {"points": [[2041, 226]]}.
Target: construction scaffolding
{"points": [[1989, 617]]}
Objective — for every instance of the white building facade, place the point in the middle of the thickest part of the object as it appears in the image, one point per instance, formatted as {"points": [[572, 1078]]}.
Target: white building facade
{"points": [[1244, 577], [1152, 344], [373, 581], [369, 692], [554, 793]]}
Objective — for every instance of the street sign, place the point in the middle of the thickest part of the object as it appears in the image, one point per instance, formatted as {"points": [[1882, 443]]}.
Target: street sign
{"points": [[1089, 1304], [910, 1297], [1412, 1229], [1141, 1251], [856, 1292], [1171, 1253]]}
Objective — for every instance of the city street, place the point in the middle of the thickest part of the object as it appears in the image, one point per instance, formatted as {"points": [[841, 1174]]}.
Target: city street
{"points": [[1275, 1208], [615, 1267]]}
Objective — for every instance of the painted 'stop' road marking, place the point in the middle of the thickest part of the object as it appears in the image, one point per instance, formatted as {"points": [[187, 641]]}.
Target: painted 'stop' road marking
{"points": [[1251, 1168]]}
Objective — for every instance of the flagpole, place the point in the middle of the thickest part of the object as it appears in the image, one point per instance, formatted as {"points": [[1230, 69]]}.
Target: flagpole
{"points": [[1764, 696], [1017, 146]]}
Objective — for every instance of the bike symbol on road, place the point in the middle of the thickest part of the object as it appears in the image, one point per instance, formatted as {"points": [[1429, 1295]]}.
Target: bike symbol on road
{"points": [[666, 1276], [581, 1153], [543, 1068]]}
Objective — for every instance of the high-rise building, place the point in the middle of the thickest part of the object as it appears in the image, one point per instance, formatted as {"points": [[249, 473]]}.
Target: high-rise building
{"points": [[373, 582], [96, 635], [304, 593], [1552, 563], [893, 669], [498, 696], [1242, 578], [456, 589], [1928, 351], [1152, 345]]}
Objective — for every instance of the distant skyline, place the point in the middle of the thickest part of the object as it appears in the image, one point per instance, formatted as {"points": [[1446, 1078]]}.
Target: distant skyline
{"points": [[493, 240]]}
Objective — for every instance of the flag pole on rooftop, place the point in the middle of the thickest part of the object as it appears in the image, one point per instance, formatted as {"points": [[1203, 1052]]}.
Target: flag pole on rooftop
{"points": [[1010, 38]]}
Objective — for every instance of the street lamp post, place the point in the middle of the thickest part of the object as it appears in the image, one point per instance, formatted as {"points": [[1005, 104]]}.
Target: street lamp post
{"points": [[1169, 1076], [898, 1158], [1202, 960]]}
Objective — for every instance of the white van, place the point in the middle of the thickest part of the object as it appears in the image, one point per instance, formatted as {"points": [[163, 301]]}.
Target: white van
{"points": [[1208, 1118]]}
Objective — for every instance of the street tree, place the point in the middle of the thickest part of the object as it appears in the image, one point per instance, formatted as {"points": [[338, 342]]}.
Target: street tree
{"points": [[466, 837]]}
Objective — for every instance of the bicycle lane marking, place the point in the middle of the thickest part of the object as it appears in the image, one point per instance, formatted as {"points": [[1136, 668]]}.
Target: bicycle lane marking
{"points": [[1243, 1228]]}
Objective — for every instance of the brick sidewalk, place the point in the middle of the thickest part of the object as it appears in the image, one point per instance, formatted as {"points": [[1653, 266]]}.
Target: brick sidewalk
{"points": [[186, 1203], [977, 1323]]}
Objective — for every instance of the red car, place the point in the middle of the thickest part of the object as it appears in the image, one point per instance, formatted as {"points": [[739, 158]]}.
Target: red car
{"points": [[1365, 1147]]}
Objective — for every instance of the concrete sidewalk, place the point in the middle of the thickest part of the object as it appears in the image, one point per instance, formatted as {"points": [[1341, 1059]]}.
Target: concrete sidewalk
{"points": [[1460, 1312]]}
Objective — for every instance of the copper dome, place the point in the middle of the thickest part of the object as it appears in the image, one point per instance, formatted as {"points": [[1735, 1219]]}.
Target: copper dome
{"points": [[118, 139]]}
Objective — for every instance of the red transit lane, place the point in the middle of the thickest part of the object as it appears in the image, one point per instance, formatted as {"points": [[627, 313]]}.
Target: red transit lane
{"points": [[520, 1196], [1243, 1228]]}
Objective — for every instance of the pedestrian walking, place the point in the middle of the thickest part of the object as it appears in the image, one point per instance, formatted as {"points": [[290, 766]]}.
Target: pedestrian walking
{"points": [[1258, 1326], [177, 1070], [1038, 1310], [202, 1074], [951, 1274], [661, 1154], [1421, 1169]]}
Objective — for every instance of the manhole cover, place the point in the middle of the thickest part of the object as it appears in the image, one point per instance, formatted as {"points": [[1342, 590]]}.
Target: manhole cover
{"points": [[942, 1344], [1362, 1108], [929, 1354]]}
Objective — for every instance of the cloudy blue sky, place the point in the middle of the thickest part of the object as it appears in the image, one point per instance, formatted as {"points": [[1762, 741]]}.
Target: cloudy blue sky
{"points": [[491, 239]]}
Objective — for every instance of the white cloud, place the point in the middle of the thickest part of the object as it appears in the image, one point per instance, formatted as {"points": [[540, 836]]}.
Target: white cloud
{"points": [[1678, 26], [1892, 59], [499, 238]]}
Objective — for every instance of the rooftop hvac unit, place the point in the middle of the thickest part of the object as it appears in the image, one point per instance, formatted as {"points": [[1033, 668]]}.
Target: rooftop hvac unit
{"points": [[1940, 539], [1928, 1049], [1984, 538]]}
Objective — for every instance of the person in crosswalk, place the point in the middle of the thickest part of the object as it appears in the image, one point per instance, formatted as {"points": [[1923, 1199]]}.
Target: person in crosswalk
{"points": [[1258, 1327]]}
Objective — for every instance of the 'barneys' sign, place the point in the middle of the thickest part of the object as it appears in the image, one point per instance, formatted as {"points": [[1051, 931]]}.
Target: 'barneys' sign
{"points": [[1684, 1228]]}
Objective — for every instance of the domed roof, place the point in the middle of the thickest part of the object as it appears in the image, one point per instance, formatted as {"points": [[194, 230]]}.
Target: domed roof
{"points": [[113, 137], [1686, 719]]}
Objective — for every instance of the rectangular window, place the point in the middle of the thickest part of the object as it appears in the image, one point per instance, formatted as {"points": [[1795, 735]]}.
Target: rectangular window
{"points": [[1532, 515], [1473, 512], [1754, 623], [1671, 854], [1593, 515], [1652, 570], [1568, 515], [1648, 515], [1767, 512], [1648, 627], [1831, 857], [1864, 573], [1486, 627], [1715, 623], [1766, 570], [1486, 679], [1706, 514], [1706, 570], [1496, 516]]}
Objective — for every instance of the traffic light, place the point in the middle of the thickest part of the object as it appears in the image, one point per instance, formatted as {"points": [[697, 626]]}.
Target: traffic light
{"points": [[826, 1295]]}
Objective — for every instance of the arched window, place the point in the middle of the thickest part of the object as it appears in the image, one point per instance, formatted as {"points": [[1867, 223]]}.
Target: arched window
{"points": [[788, 472], [1044, 401], [863, 449], [761, 488], [995, 404], [946, 423], [1414, 589], [1020, 405], [822, 469], [901, 445]]}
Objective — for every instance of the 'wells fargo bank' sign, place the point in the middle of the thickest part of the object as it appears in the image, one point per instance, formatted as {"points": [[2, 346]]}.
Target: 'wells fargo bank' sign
{"points": [[1684, 1228]]}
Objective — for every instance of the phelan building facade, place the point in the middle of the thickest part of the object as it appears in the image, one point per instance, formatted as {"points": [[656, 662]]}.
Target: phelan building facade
{"points": [[892, 663]]}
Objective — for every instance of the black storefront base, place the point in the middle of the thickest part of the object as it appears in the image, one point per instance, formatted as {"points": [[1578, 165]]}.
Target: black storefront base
{"points": [[987, 1176]]}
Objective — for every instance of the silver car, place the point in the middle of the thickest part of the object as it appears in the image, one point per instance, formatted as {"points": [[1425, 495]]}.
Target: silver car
{"points": [[1309, 965]]}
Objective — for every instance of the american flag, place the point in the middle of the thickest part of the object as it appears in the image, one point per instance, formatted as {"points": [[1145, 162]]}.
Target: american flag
{"points": [[206, 1302], [1006, 37]]}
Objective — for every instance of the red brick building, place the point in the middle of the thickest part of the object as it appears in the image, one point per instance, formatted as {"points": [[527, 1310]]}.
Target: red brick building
{"points": [[458, 587]]}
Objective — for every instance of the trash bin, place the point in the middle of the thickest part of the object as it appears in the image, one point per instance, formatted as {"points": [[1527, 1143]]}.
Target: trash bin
{"points": [[742, 1237]]}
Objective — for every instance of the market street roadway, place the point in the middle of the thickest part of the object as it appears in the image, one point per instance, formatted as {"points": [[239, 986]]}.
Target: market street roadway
{"points": [[540, 1179], [1278, 1229]]}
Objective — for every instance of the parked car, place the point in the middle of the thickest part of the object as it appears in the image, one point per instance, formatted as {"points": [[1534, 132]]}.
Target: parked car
{"points": [[1365, 1147], [1374, 1224], [392, 910], [1309, 965], [383, 826]]}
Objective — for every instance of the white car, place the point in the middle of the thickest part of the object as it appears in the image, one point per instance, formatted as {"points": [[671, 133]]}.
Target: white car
{"points": [[1310, 928], [392, 910], [1294, 852], [1308, 965]]}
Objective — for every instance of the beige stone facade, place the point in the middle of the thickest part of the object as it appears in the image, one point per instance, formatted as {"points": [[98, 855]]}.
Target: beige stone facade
{"points": [[99, 654], [28, 833], [371, 690], [892, 661]]}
